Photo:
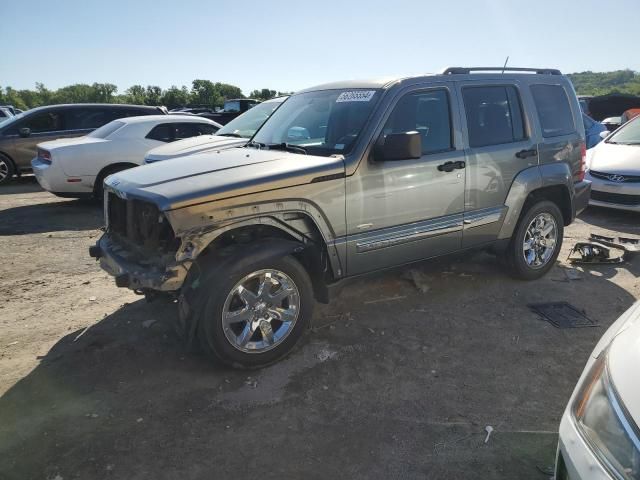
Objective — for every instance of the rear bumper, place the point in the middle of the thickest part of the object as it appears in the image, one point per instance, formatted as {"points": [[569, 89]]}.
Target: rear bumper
{"points": [[582, 195], [134, 276]]}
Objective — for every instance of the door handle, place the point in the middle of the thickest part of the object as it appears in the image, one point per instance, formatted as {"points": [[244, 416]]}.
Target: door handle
{"points": [[527, 153], [451, 166]]}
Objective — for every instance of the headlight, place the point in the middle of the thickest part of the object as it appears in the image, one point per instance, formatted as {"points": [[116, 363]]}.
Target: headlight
{"points": [[606, 425]]}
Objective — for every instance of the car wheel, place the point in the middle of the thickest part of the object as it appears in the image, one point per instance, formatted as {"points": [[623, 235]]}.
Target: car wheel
{"points": [[7, 170], [254, 315], [536, 243], [98, 186]]}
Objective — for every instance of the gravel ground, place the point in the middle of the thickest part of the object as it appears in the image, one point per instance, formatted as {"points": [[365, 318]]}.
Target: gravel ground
{"points": [[393, 381]]}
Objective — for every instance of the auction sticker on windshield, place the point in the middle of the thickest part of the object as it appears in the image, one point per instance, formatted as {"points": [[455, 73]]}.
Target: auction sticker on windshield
{"points": [[356, 96]]}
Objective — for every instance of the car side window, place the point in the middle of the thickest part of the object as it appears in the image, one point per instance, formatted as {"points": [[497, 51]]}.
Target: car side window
{"points": [[494, 115], [162, 133], [86, 118], [554, 111], [207, 129], [186, 130], [427, 113], [43, 122]]}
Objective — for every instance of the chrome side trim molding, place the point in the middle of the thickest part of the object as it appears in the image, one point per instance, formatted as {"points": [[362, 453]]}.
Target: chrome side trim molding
{"points": [[410, 233], [485, 216]]}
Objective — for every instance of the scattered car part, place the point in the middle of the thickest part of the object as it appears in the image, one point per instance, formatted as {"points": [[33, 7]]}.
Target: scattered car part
{"points": [[593, 253], [562, 315], [629, 245]]}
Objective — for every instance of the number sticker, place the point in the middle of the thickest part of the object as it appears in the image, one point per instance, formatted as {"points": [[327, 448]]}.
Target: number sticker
{"points": [[356, 96]]}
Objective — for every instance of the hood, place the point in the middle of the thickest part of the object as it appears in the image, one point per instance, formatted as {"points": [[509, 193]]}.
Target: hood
{"points": [[192, 145], [611, 158], [215, 175], [53, 145], [624, 360]]}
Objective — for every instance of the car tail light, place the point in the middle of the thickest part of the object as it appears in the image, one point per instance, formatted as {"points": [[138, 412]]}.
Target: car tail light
{"points": [[44, 155], [583, 161]]}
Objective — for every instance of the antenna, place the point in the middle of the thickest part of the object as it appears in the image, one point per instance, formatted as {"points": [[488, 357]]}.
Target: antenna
{"points": [[505, 63]]}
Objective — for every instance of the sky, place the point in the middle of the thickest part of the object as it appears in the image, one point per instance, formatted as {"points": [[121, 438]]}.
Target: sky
{"points": [[289, 45]]}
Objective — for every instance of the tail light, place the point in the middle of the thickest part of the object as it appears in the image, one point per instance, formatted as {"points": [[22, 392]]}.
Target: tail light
{"points": [[583, 161], [44, 155]]}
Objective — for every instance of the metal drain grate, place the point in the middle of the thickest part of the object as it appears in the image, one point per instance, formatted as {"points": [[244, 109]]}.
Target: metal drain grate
{"points": [[562, 315]]}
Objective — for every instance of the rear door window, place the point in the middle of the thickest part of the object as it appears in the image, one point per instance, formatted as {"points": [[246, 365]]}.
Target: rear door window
{"points": [[86, 118], [162, 133], [427, 113], [554, 111], [494, 115]]}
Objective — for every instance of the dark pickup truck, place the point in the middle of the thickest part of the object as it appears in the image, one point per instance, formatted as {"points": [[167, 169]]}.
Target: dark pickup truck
{"points": [[232, 109]]}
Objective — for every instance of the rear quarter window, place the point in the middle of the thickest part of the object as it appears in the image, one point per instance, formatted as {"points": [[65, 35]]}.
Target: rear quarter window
{"points": [[554, 110]]}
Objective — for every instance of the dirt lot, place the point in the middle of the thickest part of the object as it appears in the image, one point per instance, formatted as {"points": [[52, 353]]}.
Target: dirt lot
{"points": [[392, 382]]}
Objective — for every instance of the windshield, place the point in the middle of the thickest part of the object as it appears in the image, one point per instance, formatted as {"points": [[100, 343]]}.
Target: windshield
{"points": [[324, 122], [106, 130], [246, 124], [628, 134]]}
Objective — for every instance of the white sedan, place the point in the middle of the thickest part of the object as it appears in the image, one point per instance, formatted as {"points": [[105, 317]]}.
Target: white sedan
{"points": [[76, 167], [599, 434], [614, 169], [236, 133]]}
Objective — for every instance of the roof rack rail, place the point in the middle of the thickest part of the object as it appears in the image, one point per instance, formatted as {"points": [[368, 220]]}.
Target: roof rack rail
{"points": [[466, 70]]}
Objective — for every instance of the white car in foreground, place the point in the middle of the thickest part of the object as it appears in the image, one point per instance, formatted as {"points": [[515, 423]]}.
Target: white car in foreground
{"points": [[236, 133], [76, 167], [614, 169], [599, 434]]}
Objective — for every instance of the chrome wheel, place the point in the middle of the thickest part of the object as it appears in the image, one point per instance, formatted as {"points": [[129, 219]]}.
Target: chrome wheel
{"points": [[260, 311], [540, 240], [4, 170]]}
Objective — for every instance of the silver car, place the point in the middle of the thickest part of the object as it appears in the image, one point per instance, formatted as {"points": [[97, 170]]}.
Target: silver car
{"points": [[342, 180], [614, 169]]}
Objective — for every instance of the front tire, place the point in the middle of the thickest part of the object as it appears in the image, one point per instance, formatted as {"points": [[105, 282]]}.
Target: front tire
{"points": [[7, 169], [254, 315], [536, 242]]}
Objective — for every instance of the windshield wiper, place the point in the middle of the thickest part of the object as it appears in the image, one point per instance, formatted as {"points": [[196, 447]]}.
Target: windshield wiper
{"points": [[287, 146], [235, 135], [255, 144]]}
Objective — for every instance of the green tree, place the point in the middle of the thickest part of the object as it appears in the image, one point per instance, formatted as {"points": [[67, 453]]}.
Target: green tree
{"points": [[136, 95], [264, 94], [175, 97], [204, 92], [153, 95]]}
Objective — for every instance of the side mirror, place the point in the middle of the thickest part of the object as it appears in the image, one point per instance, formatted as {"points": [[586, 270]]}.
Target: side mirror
{"points": [[24, 132], [298, 133], [400, 146], [604, 134]]}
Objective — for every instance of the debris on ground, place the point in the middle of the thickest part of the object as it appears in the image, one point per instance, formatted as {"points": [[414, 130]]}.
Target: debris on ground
{"points": [[488, 429], [139, 420], [92, 299], [562, 315], [572, 274], [629, 245], [419, 279], [12, 344], [386, 299], [148, 323], [594, 253]]}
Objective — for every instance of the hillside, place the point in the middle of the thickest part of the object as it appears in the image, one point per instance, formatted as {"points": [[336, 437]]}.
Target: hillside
{"points": [[601, 83]]}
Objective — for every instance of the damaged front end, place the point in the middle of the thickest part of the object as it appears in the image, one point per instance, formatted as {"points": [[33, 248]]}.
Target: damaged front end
{"points": [[139, 246]]}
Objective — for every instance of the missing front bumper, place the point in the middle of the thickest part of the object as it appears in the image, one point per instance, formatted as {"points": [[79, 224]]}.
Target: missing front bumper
{"points": [[132, 275]]}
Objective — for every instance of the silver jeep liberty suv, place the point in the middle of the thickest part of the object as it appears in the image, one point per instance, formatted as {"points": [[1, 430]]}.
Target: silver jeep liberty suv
{"points": [[345, 179]]}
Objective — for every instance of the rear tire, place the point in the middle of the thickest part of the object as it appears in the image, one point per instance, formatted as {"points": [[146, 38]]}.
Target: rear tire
{"points": [[7, 169], [536, 242], [243, 325]]}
